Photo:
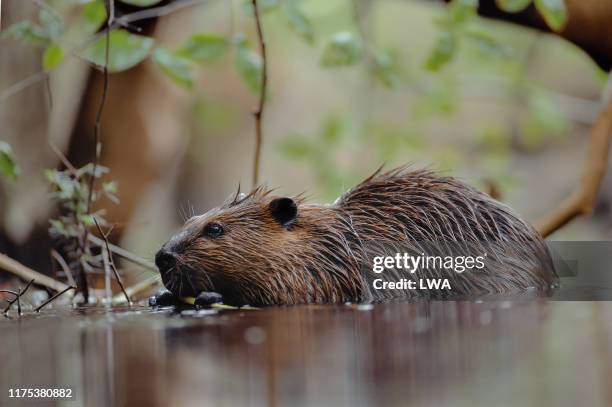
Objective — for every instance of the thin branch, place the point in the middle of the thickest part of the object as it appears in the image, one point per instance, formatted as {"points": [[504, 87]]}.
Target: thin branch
{"points": [[111, 261], [84, 242], [123, 253], [60, 260], [44, 304], [26, 273], [107, 274], [19, 302], [582, 200], [63, 159], [262, 95], [110, 12], [20, 293], [22, 85]]}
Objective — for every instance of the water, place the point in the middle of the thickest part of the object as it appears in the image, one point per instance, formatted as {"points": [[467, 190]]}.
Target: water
{"points": [[429, 353]]}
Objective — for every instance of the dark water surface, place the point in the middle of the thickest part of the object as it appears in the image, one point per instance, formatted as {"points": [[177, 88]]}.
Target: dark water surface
{"points": [[507, 353]]}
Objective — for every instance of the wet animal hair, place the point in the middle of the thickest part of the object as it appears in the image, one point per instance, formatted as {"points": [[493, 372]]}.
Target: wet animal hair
{"points": [[276, 250]]}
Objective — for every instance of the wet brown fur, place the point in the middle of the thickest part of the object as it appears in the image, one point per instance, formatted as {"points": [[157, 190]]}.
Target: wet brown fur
{"points": [[323, 255]]}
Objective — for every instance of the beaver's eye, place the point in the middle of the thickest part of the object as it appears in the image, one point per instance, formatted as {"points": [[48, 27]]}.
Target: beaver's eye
{"points": [[213, 230]]}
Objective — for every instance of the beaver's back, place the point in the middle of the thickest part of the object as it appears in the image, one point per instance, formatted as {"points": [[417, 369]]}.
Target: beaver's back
{"points": [[416, 209]]}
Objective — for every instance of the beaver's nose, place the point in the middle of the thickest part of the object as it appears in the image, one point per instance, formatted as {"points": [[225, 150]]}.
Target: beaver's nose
{"points": [[165, 260]]}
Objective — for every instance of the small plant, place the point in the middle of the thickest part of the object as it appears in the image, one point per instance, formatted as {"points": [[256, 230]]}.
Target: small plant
{"points": [[70, 188]]}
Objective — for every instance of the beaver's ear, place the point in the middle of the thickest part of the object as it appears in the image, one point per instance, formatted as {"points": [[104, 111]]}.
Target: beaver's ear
{"points": [[284, 210]]}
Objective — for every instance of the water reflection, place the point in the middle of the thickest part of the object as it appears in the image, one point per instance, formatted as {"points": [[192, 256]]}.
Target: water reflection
{"points": [[428, 353]]}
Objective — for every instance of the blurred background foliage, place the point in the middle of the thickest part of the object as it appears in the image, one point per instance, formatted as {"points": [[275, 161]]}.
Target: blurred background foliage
{"points": [[353, 85]]}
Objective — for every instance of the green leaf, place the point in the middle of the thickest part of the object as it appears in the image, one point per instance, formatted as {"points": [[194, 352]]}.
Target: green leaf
{"points": [[8, 166], [443, 51], [93, 15], [58, 227], [173, 65], [343, 49], [296, 147], [52, 176], [110, 191], [249, 66], [125, 50], [298, 21], [109, 187], [141, 3], [460, 11], [89, 169], [87, 220], [203, 47], [331, 132], [27, 32], [513, 6], [53, 56], [64, 187], [51, 21], [554, 13], [382, 69], [545, 121]]}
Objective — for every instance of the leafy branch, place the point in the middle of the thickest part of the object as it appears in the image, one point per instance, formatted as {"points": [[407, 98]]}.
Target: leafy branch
{"points": [[457, 25]]}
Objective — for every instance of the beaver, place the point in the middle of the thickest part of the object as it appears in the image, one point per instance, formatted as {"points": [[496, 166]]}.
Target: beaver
{"points": [[261, 249]]}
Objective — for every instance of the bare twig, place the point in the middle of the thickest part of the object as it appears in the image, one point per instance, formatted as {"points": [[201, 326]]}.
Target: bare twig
{"points": [[123, 253], [84, 241], [44, 304], [111, 261], [22, 85], [262, 95], [582, 200], [107, 274], [19, 302], [63, 158], [110, 12], [17, 294], [20, 293], [26, 273], [60, 260]]}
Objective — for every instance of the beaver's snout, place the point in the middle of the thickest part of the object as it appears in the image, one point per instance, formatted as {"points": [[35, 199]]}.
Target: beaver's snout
{"points": [[165, 260], [177, 276]]}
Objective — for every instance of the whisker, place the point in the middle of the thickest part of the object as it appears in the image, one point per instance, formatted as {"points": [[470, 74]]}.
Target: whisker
{"points": [[182, 212], [191, 209], [191, 284]]}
